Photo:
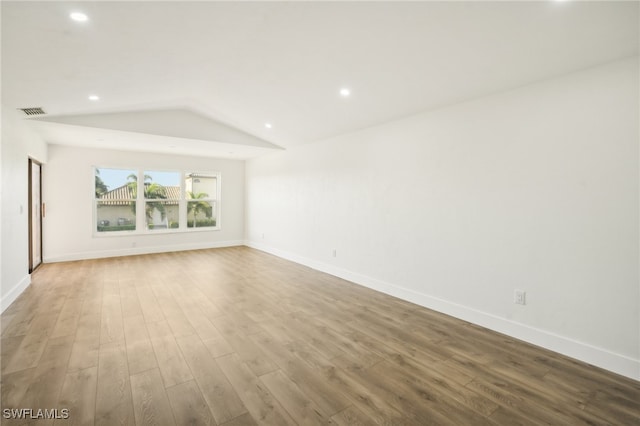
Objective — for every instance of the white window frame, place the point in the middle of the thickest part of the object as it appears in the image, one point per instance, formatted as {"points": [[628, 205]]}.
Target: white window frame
{"points": [[208, 199], [97, 233], [140, 200], [145, 200]]}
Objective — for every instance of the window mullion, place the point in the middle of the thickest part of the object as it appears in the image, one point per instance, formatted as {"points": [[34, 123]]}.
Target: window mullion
{"points": [[141, 217], [182, 205]]}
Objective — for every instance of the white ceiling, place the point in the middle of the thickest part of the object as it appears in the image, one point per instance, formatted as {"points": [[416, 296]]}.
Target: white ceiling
{"points": [[246, 63]]}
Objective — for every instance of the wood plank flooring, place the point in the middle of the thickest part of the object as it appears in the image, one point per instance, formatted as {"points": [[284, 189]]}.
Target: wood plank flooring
{"points": [[235, 336]]}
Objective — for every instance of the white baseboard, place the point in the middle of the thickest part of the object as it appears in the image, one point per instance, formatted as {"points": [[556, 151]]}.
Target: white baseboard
{"points": [[13, 294], [599, 357], [140, 250]]}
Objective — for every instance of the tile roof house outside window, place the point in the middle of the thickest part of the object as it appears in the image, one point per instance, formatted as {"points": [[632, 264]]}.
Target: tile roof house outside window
{"points": [[117, 208]]}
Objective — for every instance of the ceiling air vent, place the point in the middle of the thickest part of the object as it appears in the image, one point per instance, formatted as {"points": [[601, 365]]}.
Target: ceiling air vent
{"points": [[32, 111]]}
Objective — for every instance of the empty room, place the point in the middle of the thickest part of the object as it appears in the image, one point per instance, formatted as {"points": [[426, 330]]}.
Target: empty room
{"points": [[301, 213]]}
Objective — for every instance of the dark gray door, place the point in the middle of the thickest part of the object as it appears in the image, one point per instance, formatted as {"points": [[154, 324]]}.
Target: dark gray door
{"points": [[35, 214]]}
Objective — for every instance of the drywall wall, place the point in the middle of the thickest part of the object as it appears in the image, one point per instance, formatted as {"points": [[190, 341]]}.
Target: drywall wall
{"points": [[68, 193], [18, 144], [534, 189]]}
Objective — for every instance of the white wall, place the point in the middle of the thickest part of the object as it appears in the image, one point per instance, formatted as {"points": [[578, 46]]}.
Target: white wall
{"points": [[68, 193], [18, 144], [534, 189]]}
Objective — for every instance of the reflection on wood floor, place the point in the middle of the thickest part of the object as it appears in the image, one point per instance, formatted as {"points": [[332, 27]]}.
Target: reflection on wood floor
{"points": [[235, 336]]}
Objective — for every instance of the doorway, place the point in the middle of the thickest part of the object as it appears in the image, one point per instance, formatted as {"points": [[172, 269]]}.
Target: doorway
{"points": [[35, 214]]}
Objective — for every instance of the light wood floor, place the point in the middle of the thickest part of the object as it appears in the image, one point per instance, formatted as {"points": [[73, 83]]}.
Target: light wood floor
{"points": [[238, 337]]}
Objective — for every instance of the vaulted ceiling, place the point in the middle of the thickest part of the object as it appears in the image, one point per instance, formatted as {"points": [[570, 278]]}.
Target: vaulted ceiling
{"points": [[205, 77]]}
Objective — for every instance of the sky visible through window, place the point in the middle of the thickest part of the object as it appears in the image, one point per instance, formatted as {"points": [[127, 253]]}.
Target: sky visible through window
{"points": [[115, 178]]}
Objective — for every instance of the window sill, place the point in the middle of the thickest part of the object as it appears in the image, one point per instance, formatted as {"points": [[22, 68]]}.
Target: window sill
{"points": [[145, 232]]}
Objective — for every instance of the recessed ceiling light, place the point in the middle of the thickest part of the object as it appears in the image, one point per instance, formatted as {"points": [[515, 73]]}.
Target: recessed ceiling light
{"points": [[344, 92], [79, 17], [268, 125], [94, 97]]}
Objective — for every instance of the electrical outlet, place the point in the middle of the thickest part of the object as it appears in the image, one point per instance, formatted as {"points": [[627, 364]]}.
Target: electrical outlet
{"points": [[263, 235], [334, 252], [519, 297]]}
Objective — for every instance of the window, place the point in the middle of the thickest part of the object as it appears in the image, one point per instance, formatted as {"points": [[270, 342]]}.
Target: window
{"points": [[115, 201], [162, 200], [201, 193], [172, 201]]}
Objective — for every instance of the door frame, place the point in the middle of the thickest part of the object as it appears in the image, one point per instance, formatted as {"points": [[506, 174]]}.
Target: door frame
{"points": [[30, 195]]}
